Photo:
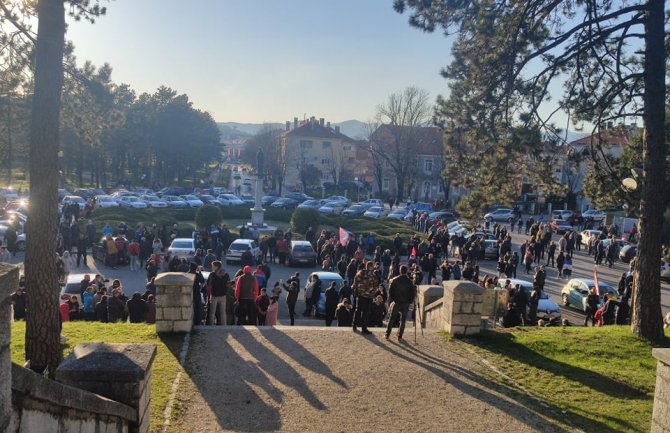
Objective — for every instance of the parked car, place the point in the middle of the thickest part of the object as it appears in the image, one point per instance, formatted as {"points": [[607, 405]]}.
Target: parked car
{"points": [[301, 252], [182, 248], [20, 238], [239, 246], [310, 204], [332, 207], [230, 200], [339, 198], [397, 213], [574, 293], [154, 201], [372, 202], [420, 207], [355, 210], [72, 286], [560, 226], [284, 203], [627, 253], [326, 278], [594, 214], [248, 199], [547, 309], [299, 197], [105, 201], [246, 182], [62, 193], [132, 202], [69, 199], [443, 215], [586, 234], [174, 201], [505, 215], [121, 193], [267, 200], [171, 190], [490, 250], [191, 200], [562, 214], [375, 212], [210, 199]]}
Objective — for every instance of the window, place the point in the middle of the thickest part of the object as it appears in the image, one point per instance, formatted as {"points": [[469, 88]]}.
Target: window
{"points": [[325, 161], [305, 144], [428, 165], [326, 145], [346, 147], [385, 183], [440, 188]]}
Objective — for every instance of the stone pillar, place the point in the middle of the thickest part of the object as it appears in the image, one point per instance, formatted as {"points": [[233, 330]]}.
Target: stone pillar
{"points": [[426, 294], [462, 307], [660, 419], [257, 212], [9, 281], [120, 372], [174, 302]]}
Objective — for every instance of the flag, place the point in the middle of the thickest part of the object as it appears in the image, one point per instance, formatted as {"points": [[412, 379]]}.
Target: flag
{"points": [[413, 253], [238, 152], [229, 152], [344, 237], [595, 280]]}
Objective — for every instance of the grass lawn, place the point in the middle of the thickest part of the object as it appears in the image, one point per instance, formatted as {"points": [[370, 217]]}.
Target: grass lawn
{"points": [[597, 379], [165, 366]]}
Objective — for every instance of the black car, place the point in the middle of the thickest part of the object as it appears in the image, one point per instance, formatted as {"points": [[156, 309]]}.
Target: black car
{"points": [[284, 203], [171, 190], [627, 253], [298, 196], [267, 200]]}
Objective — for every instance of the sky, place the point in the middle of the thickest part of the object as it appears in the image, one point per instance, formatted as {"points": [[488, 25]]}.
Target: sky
{"points": [[256, 61]]}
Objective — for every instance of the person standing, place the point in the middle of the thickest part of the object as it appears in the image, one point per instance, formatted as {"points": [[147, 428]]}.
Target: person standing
{"points": [[365, 286], [81, 250], [550, 254], [273, 311], [293, 290], [133, 255], [592, 301], [262, 303], [332, 299], [198, 281], [401, 295], [217, 286], [246, 291]]}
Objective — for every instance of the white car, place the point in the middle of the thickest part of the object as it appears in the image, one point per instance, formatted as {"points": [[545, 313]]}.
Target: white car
{"points": [[595, 214], [174, 201], [239, 246], [132, 202], [586, 234], [154, 201], [372, 202], [182, 247], [310, 204], [332, 207], [230, 200], [505, 215], [192, 200], [104, 201], [340, 199], [375, 212], [397, 213], [69, 199]]}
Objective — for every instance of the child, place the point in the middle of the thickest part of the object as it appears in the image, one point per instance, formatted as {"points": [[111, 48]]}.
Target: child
{"points": [[272, 312]]}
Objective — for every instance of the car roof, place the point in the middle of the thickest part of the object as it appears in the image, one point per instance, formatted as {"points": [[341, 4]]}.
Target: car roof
{"points": [[243, 241], [76, 278], [300, 243], [514, 281], [327, 275], [183, 239]]}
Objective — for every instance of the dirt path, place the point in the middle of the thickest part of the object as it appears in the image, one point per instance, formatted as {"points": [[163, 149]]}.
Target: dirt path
{"points": [[317, 380]]}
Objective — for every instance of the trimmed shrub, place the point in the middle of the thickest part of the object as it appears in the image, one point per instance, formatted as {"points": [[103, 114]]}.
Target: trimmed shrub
{"points": [[207, 215], [303, 219]]}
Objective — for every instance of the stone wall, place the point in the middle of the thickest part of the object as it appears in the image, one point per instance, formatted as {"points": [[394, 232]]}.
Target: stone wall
{"points": [[433, 316], [41, 405], [660, 419], [174, 302], [427, 294], [462, 308], [9, 281]]}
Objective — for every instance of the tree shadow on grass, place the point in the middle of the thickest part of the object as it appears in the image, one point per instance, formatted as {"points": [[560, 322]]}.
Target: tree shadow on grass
{"points": [[450, 372]]}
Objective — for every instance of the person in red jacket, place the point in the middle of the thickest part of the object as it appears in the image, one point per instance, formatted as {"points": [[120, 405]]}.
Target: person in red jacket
{"points": [[246, 291]]}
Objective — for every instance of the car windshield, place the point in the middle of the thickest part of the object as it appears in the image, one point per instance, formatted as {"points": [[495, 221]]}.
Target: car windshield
{"points": [[330, 205], [105, 199], [133, 199], [356, 207], [310, 202], [182, 244], [239, 247], [303, 249], [153, 198], [375, 209]]}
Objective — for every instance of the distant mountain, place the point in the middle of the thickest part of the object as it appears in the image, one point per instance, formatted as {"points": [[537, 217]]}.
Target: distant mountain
{"points": [[231, 131]]}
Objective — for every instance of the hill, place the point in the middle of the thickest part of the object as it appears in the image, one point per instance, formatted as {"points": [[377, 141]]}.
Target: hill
{"points": [[234, 130]]}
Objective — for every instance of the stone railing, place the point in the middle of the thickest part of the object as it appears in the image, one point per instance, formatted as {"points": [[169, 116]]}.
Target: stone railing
{"points": [[459, 312], [432, 315], [660, 419], [9, 281]]}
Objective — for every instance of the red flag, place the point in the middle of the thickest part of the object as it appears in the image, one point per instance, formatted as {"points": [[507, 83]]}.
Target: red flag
{"points": [[344, 237], [595, 281], [229, 152], [238, 152], [413, 254]]}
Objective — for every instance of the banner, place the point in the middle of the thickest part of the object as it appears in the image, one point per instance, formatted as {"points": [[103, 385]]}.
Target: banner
{"points": [[595, 281], [344, 237]]}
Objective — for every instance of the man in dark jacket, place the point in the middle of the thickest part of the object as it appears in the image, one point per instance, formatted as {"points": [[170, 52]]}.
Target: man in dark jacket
{"points": [[592, 302], [520, 301], [262, 304], [115, 307], [540, 277], [332, 299], [217, 286], [402, 292], [246, 291], [137, 307], [293, 290], [365, 285]]}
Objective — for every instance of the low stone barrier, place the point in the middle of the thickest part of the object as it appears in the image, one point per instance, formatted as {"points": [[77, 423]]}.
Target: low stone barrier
{"points": [[660, 419], [174, 302], [462, 307]]}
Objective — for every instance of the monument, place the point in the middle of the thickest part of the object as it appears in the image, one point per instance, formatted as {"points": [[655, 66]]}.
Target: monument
{"points": [[257, 212]]}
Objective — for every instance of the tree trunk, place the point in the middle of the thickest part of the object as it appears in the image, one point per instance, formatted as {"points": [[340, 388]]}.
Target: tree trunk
{"points": [[400, 187], [42, 327], [646, 320]]}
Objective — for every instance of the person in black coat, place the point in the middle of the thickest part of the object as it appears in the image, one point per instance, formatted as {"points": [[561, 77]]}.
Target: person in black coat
{"points": [[332, 298], [101, 310], [316, 294], [345, 291], [293, 289], [115, 308], [198, 282], [137, 307], [520, 301], [344, 313]]}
